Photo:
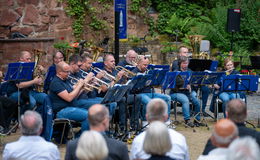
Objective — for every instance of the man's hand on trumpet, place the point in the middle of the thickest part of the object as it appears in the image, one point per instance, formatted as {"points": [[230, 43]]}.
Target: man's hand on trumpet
{"points": [[101, 74]]}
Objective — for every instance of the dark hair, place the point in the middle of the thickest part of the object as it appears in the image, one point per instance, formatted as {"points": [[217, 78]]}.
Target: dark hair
{"points": [[182, 59], [75, 59], [106, 55], [85, 56]]}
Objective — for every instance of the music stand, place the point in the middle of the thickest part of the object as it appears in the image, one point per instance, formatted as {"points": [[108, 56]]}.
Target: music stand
{"points": [[158, 76], [17, 72], [200, 64]]}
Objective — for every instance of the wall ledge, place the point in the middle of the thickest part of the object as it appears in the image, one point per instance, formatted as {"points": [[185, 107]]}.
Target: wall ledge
{"points": [[28, 40]]}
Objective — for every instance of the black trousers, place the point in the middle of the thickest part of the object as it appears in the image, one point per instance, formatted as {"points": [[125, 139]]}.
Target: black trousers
{"points": [[8, 109]]}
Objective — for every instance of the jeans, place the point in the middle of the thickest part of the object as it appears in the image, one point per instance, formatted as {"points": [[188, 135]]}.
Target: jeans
{"points": [[76, 114], [185, 98], [146, 97], [134, 100], [225, 97], [205, 94], [35, 97]]}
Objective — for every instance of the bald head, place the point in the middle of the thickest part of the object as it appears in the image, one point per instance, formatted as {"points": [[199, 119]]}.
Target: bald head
{"points": [[157, 110], [236, 110], [97, 114], [31, 123], [25, 56], [60, 66], [224, 132]]}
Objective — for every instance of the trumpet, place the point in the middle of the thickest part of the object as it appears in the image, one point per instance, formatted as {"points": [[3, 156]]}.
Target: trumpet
{"points": [[97, 80], [87, 86], [107, 75], [128, 73]]}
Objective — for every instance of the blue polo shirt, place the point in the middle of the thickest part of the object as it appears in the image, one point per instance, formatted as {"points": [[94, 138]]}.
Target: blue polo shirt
{"points": [[58, 85]]}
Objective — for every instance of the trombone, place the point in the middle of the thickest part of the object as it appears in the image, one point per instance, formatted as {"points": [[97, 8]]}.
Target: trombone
{"points": [[96, 80], [128, 73]]}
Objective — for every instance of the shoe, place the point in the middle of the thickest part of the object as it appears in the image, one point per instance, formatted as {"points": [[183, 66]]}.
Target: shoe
{"points": [[189, 123], [168, 122], [145, 123], [198, 124]]}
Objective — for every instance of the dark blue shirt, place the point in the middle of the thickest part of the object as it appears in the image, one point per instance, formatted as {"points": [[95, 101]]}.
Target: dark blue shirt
{"points": [[123, 63], [49, 77], [58, 85], [175, 65]]}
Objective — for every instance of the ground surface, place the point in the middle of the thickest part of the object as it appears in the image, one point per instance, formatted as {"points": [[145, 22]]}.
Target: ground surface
{"points": [[196, 140]]}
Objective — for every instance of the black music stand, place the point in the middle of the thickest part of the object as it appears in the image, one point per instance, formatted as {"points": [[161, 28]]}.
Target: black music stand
{"points": [[17, 72], [200, 64], [115, 94], [138, 83]]}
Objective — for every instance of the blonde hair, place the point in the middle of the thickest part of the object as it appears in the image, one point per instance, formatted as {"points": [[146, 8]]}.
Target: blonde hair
{"points": [[157, 139], [91, 146]]}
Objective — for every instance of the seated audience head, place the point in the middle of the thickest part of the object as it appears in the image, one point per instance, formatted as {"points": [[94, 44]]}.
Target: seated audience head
{"points": [[183, 63], [157, 110], [224, 132], [31, 123], [142, 63], [98, 117], [87, 61], [245, 148], [131, 56], [58, 57], [62, 70], [183, 51], [75, 62], [157, 139], [109, 61], [236, 111], [25, 56], [91, 146]]}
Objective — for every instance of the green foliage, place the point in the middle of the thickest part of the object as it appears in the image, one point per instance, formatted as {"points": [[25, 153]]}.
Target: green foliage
{"points": [[63, 46]]}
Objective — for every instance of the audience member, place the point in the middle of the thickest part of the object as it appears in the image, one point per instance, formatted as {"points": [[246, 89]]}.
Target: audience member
{"points": [[157, 110], [224, 132], [236, 112], [157, 141], [98, 117], [244, 148], [31, 146], [91, 146]]}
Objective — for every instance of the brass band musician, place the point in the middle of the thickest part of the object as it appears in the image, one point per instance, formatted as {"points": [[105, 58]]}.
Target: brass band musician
{"points": [[130, 59]]}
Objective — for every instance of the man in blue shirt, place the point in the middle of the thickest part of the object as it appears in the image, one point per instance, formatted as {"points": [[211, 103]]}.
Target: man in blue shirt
{"points": [[130, 59], [64, 96], [147, 93]]}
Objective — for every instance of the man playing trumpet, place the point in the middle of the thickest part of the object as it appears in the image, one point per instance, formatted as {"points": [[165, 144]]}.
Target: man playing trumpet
{"points": [[64, 96], [130, 59], [119, 77]]}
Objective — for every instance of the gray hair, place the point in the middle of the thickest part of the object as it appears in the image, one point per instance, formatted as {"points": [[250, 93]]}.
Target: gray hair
{"points": [[237, 110], [91, 146], [156, 109], [98, 117], [244, 148], [157, 139], [31, 123]]}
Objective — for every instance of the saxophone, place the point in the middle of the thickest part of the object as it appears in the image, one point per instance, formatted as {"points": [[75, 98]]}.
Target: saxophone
{"points": [[37, 71]]}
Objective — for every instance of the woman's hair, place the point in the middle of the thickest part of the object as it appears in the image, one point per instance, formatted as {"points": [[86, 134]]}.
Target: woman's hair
{"points": [[91, 146], [157, 139], [226, 60]]}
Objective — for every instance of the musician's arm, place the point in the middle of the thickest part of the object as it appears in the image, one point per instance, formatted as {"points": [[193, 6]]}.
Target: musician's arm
{"points": [[70, 96], [36, 81]]}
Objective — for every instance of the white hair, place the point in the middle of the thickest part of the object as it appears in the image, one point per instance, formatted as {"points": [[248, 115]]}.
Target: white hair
{"points": [[157, 139], [91, 146], [244, 148], [33, 129]]}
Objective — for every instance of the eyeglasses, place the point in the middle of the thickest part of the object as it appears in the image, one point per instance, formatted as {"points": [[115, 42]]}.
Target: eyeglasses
{"points": [[66, 71]]}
